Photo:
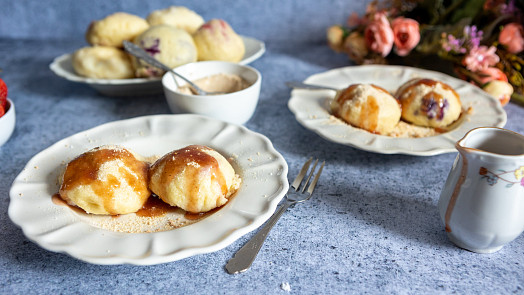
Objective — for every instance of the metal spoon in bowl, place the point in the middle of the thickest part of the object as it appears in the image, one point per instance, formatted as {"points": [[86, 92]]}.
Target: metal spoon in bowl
{"points": [[140, 53]]}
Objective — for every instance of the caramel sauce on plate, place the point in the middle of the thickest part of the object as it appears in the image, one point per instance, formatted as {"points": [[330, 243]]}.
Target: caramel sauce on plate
{"points": [[197, 216], [58, 200], [83, 170], [155, 207]]}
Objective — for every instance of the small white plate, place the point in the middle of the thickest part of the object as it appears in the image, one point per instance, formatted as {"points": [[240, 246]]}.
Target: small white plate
{"points": [[62, 66], [311, 109], [58, 228]]}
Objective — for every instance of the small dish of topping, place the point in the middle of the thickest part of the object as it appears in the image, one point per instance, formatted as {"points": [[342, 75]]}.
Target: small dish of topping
{"points": [[239, 86], [7, 114], [219, 83]]}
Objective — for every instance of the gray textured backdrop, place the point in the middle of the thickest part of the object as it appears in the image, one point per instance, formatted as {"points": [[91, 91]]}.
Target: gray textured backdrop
{"points": [[373, 226], [269, 19]]}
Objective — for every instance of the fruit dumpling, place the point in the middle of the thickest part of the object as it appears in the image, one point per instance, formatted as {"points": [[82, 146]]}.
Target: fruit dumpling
{"points": [[368, 107], [171, 46], [429, 103], [103, 62], [195, 178], [176, 16], [216, 40], [107, 180], [115, 28]]}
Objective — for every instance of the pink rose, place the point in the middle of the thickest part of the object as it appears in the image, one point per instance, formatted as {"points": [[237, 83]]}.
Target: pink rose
{"points": [[480, 58], [354, 20], [512, 35], [407, 35], [379, 35], [490, 74]]}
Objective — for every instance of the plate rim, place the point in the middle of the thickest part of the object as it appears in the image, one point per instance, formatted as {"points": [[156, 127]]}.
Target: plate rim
{"points": [[393, 147], [178, 254]]}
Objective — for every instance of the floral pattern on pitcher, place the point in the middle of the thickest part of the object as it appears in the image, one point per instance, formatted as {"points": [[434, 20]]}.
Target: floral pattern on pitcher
{"points": [[492, 178]]}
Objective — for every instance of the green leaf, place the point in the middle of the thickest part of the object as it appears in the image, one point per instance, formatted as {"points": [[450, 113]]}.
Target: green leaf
{"points": [[469, 9], [432, 35]]}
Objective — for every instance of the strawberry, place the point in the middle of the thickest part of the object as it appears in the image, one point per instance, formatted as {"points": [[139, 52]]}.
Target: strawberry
{"points": [[3, 94], [2, 111]]}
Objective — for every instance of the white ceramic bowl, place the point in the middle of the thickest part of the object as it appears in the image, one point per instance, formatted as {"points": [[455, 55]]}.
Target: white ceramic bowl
{"points": [[236, 107], [7, 122]]}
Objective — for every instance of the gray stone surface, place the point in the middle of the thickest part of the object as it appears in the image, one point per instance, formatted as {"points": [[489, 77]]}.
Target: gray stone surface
{"points": [[373, 226]]}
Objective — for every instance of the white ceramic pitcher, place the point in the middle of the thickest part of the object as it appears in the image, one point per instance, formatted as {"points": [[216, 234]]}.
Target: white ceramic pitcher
{"points": [[482, 202]]}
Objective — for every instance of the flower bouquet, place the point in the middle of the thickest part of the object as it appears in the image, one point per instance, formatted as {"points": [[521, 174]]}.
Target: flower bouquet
{"points": [[480, 41]]}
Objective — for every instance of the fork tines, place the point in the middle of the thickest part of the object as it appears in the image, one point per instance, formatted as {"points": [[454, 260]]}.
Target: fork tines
{"points": [[303, 171]]}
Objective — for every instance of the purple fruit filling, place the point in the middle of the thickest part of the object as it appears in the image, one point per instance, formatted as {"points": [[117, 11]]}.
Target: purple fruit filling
{"points": [[153, 49], [434, 108]]}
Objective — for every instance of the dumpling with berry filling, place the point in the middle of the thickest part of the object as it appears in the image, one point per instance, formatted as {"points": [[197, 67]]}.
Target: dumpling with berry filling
{"points": [[429, 103], [216, 40], [169, 45]]}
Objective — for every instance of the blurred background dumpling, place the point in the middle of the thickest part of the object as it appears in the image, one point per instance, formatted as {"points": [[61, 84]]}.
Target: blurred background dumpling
{"points": [[115, 28], [103, 62], [171, 46], [216, 40], [178, 17]]}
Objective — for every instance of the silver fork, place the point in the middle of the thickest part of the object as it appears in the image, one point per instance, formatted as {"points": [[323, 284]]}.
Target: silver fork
{"points": [[243, 259], [140, 53]]}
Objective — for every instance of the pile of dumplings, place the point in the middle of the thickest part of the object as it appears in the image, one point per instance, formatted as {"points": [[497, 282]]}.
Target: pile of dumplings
{"points": [[113, 180], [175, 36], [421, 102]]}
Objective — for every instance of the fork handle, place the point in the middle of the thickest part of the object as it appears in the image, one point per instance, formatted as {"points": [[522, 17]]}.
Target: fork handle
{"points": [[244, 257]]}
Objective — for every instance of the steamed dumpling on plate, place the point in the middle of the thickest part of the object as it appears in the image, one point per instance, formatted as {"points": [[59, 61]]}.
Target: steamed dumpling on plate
{"points": [[368, 107], [430, 103], [195, 178], [106, 180]]}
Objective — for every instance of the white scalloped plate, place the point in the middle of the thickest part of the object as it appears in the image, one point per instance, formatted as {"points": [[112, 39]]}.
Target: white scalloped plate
{"points": [[58, 228], [311, 110], [62, 66]]}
